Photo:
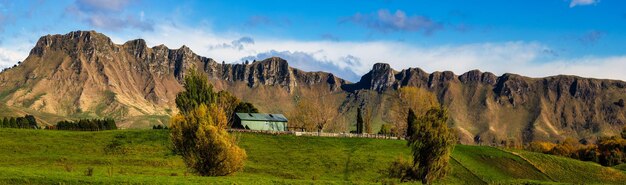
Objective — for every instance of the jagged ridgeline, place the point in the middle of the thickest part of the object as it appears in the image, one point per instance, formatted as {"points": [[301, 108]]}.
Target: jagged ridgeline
{"points": [[85, 74]]}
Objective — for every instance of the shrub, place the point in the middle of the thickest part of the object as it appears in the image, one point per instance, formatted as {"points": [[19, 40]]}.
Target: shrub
{"points": [[385, 129], [201, 138], [402, 169], [89, 171]]}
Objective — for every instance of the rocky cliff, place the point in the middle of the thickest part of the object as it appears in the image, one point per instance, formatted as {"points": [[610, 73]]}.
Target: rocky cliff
{"points": [[490, 109], [84, 74]]}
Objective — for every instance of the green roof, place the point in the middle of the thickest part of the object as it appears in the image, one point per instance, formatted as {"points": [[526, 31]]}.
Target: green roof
{"points": [[261, 117]]}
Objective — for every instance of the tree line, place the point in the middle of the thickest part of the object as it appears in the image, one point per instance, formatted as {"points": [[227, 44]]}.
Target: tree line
{"points": [[607, 151], [85, 125], [26, 122]]}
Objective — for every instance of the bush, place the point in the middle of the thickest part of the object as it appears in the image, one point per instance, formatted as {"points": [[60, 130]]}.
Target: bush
{"points": [[385, 129], [201, 138], [89, 171], [402, 169]]}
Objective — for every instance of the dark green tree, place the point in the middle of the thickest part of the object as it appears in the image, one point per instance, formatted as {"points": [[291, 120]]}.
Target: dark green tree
{"points": [[12, 123], [431, 144], [623, 133], [246, 107], [359, 122], [197, 91], [410, 129], [22, 122], [3, 123], [32, 122]]}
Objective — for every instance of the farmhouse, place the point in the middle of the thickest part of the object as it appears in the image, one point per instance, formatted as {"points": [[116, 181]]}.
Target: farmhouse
{"points": [[259, 121]]}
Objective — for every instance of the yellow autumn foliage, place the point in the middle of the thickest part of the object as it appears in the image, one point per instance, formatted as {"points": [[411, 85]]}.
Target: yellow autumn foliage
{"points": [[201, 138]]}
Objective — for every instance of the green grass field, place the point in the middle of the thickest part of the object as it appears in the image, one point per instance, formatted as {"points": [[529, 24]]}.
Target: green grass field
{"points": [[143, 157]]}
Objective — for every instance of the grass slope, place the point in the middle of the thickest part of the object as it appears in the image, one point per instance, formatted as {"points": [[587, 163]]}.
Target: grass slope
{"points": [[143, 157]]}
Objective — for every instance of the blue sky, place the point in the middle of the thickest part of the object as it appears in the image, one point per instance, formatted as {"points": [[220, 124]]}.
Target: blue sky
{"points": [[534, 38]]}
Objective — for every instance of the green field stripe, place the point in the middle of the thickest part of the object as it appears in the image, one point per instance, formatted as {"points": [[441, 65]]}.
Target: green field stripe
{"points": [[529, 162], [463, 166]]}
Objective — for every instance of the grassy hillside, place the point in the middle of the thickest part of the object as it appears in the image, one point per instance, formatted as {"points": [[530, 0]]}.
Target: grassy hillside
{"points": [[143, 157]]}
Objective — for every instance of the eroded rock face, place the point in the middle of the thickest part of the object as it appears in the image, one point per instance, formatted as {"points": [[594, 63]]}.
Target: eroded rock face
{"points": [[84, 71], [497, 107]]}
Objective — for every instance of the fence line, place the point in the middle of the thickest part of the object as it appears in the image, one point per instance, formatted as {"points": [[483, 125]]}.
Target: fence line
{"points": [[318, 134]]}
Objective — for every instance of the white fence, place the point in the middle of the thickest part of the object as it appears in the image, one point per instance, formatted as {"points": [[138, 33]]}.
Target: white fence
{"points": [[317, 134]]}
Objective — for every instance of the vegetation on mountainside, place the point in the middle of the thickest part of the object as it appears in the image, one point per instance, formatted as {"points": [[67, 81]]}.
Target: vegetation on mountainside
{"points": [[198, 132], [608, 151]]}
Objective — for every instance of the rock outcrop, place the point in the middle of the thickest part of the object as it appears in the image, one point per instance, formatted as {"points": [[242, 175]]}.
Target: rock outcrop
{"points": [[84, 73], [490, 108]]}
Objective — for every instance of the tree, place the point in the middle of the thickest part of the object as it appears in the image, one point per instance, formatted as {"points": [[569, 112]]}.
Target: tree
{"points": [[4, 123], [418, 99], [12, 123], [314, 113], [200, 137], [367, 119], [197, 91], [623, 133], [431, 144], [228, 103], [22, 122], [198, 131], [411, 118], [359, 122], [32, 122], [246, 107]]}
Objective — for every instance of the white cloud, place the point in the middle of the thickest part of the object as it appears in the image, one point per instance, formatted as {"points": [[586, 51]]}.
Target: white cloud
{"points": [[574, 3], [525, 58], [10, 57]]}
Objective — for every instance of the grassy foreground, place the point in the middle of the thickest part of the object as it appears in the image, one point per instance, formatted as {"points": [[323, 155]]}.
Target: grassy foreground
{"points": [[143, 157]]}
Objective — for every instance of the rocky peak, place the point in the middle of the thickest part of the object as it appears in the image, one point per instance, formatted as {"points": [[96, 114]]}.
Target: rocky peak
{"points": [[73, 43], [137, 47], [475, 76], [380, 78]]}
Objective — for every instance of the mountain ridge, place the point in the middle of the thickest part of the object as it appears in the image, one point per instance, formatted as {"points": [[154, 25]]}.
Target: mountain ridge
{"points": [[84, 73]]}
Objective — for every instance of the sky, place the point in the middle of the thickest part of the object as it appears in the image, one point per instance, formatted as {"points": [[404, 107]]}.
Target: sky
{"points": [[534, 38]]}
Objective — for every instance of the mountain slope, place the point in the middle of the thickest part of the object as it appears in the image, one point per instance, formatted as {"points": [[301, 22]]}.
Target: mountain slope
{"points": [[490, 109], [84, 74]]}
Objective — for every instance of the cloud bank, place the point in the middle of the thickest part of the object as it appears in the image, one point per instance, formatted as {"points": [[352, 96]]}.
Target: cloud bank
{"points": [[349, 60], [9, 58]]}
